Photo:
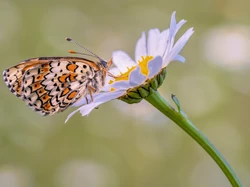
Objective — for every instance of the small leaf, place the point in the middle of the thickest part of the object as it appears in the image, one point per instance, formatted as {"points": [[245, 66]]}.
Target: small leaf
{"points": [[176, 101]]}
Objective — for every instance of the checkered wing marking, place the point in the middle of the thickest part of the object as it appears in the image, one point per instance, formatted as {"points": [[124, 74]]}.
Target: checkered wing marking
{"points": [[13, 76], [51, 84]]}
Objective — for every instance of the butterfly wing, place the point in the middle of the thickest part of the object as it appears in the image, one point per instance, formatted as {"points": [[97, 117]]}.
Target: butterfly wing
{"points": [[13, 76], [51, 84]]}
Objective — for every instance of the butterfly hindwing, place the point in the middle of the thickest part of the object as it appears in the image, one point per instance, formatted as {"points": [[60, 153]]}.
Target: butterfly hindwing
{"points": [[13, 77]]}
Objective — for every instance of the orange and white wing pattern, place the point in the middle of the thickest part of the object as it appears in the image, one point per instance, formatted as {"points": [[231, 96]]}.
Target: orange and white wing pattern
{"points": [[51, 84]]}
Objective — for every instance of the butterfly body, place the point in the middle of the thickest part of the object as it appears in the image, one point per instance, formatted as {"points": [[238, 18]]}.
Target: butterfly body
{"points": [[51, 84]]}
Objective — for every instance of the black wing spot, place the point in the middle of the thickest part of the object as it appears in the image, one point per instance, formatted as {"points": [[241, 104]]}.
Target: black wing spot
{"points": [[84, 66]]}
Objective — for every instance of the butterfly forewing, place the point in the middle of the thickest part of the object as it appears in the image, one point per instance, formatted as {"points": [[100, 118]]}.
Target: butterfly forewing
{"points": [[51, 84]]}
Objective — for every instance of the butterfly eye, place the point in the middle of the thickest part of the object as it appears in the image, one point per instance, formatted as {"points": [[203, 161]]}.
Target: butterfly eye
{"points": [[104, 63]]}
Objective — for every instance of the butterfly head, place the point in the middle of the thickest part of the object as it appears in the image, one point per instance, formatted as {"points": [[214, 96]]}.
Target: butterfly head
{"points": [[106, 65]]}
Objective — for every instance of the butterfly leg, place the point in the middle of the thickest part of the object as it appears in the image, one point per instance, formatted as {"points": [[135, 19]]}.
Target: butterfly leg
{"points": [[87, 101], [111, 75], [91, 90]]}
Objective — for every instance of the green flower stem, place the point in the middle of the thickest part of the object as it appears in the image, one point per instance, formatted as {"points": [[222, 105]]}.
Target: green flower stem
{"points": [[182, 121]]}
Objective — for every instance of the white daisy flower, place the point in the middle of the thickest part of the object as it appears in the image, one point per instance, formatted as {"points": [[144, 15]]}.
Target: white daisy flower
{"points": [[136, 77]]}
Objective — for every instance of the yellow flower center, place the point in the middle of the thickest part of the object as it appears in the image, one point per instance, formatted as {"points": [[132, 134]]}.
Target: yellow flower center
{"points": [[143, 64], [123, 76]]}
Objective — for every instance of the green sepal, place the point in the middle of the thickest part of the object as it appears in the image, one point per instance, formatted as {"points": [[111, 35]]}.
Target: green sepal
{"points": [[130, 100]]}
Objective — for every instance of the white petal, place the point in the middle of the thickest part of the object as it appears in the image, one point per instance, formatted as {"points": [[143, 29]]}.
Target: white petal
{"points": [[122, 61], [106, 87], [136, 77], [115, 71], [172, 32], [178, 46], [100, 99], [141, 48], [179, 58], [153, 40], [172, 24], [172, 36], [121, 85], [71, 114], [83, 101], [154, 66], [178, 26], [163, 43], [108, 78], [86, 109], [183, 40]]}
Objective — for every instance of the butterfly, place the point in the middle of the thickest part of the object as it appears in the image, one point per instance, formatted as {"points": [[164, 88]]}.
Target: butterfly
{"points": [[51, 84]]}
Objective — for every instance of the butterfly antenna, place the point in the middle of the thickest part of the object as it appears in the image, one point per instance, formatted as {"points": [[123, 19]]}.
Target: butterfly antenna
{"points": [[85, 54], [102, 61]]}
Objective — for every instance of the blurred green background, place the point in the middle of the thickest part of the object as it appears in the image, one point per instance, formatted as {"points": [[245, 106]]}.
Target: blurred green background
{"points": [[122, 145]]}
